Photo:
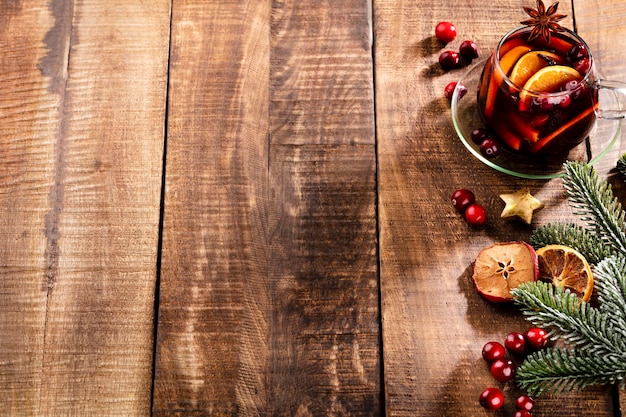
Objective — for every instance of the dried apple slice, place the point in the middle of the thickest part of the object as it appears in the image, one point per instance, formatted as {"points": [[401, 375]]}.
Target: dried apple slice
{"points": [[503, 266]]}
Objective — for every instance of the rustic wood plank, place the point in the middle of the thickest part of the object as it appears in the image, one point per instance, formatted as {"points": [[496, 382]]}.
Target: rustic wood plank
{"points": [[268, 301], [82, 141], [30, 114], [599, 23], [434, 322]]}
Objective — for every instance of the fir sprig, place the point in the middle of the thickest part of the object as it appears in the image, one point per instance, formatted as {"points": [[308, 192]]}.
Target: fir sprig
{"points": [[594, 338], [592, 198], [621, 165], [559, 369], [575, 236], [568, 318]]}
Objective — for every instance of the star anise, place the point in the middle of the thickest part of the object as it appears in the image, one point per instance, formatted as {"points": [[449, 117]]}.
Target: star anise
{"points": [[543, 21]]}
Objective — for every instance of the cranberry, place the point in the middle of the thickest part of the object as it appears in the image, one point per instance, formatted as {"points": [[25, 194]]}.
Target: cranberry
{"points": [[468, 50], [449, 90], [547, 102], [478, 135], [571, 85], [575, 89], [578, 52], [544, 102], [493, 351], [503, 369], [462, 198], [515, 343], [445, 32], [449, 60], [522, 413], [489, 148], [475, 214], [536, 338], [524, 402], [565, 101], [491, 398], [583, 66]]}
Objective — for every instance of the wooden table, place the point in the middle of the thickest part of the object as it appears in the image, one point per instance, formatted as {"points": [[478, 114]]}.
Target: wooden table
{"points": [[214, 208]]}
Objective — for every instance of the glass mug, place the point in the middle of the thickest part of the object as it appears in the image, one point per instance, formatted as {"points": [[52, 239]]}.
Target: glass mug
{"points": [[542, 98]]}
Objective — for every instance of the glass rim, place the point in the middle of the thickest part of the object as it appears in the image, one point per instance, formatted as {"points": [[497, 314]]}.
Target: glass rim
{"points": [[509, 82]]}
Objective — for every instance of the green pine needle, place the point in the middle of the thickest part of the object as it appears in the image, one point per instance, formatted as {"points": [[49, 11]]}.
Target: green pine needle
{"points": [[557, 370], [596, 346], [593, 200], [610, 283], [621, 165], [575, 236], [568, 318]]}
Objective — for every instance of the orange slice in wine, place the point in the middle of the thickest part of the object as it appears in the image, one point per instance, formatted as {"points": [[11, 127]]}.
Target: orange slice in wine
{"points": [[530, 63], [569, 125], [549, 79], [507, 62]]}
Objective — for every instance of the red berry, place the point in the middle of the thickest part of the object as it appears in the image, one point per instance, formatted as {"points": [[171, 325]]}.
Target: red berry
{"points": [[524, 402], [536, 338], [493, 351], [522, 413], [489, 148], [515, 343], [462, 198], [475, 214], [578, 52], [565, 101], [478, 135], [503, 369], [583, 66], [468, 50], [445, 32], [491, 398], [449, 60], [449, 90]]}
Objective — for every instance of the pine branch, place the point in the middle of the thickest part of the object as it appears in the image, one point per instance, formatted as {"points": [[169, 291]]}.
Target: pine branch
{"points": [[574, 236], [595, 338], [593, 199], [566, 317], [610, 283], [621, 165], [558, 370]]}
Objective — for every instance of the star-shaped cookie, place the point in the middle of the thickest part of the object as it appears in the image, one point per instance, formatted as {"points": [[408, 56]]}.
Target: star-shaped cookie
{"points": [[520, 205]]}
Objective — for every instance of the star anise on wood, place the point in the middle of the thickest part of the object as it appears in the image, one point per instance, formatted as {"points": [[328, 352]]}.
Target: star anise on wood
{"points": [[543, 21]]}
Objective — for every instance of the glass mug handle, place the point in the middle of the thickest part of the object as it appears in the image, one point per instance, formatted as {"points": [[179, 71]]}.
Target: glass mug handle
{"points": [[616, 92]]}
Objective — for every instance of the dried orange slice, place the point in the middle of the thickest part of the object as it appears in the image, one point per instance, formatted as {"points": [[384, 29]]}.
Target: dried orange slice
{"points": [[530, 63], [503, 266], [565, 267]]}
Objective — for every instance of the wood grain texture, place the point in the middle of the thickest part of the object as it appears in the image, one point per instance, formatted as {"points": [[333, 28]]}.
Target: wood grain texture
{"points": [[30, 114], [434, 322], [268, 302], [82, 141]]}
